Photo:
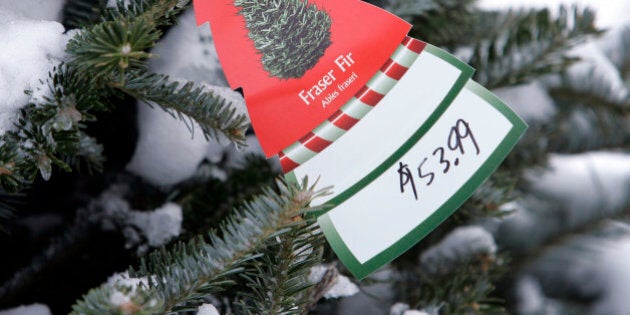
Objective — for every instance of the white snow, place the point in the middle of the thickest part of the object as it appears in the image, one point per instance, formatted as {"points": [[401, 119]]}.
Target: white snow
{"points": [[404, 309], [531, 299], [594, 267], [585, 184], [614, 272], [615, 44], [460, 244], [161, 225], [207, 309], [112, 3], [48, 10], [530, 101], [30, 49], [140, 228], [398, 308], [380, 285], [609, 12], [572, 191], [341, 287], [167, 153], [34, 309], [601, 71], [122, 280]]}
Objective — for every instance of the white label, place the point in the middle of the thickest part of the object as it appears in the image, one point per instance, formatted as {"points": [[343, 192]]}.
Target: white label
{"points": [[412, 100], [395, 203]]}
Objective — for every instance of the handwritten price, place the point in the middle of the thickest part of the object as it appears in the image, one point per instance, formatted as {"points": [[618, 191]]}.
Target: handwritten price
{"points": [[459, 135]]}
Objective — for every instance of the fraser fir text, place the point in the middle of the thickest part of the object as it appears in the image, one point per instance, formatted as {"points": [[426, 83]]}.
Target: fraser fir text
{"points": [[343, 63]]}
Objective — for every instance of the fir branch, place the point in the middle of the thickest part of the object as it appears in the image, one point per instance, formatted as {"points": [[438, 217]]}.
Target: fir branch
{"points": [[440, 22], [102, 58], [179, 279], [120, 42], [203, 210], [81, 13], [624, 64], [155, 12], [12, 165], [487, 200], [589, 121], [516, 46], [111, 48], [467, 289], [89, 155], [186, 101], [49, 130], [291, 35], [532, 149], [279, 279]]}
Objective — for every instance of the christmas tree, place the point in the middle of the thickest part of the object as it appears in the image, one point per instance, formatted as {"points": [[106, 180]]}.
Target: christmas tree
{"points": [[130, 182], [291, 36]]}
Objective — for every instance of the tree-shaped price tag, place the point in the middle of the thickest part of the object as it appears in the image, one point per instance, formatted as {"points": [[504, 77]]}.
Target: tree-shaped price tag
{"points": [[394, 124]]}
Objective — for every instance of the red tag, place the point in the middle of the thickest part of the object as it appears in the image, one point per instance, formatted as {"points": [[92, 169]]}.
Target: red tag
{"points": [[338, 46]]}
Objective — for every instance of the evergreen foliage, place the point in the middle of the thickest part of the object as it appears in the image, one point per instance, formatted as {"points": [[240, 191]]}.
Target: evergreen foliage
{"points": [[106, 60], [291, 36], [512, 48], [178, 280], [253, 255]]}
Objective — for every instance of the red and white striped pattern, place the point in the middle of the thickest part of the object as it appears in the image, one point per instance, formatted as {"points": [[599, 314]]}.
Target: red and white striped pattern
{"points": [[355, 109]]}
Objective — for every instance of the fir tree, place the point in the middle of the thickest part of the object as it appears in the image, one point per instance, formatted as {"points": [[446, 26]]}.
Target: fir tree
{"points": [[291, 36], [555, 211]]}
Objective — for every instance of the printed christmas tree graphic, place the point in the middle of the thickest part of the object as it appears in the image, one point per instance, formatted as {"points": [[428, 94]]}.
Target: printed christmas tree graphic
{"points": [[290, 35]]}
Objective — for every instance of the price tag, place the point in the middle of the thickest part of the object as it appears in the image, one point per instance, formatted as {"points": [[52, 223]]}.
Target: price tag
{"points": [[412, 161], [394, 124], [410, 193]]}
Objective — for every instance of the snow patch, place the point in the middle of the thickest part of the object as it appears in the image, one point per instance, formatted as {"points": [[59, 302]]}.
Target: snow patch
{"points": [[161, 225], [591, 268], [609, 13], [530, 296], [129, 287], [585, 183], [572, 191], [167, 153], [600, 70], [341, 287], [140, 228], [378, 284], [404, 309], [113, 3], [207, 309], [34, 309], [459, 245], [530, 101], [47, 10], [30, 49], [399, 308], [614, 272]]}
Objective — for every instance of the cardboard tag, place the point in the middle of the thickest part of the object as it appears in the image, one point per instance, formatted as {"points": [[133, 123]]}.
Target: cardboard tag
{"points": [[405, 137], [400, 199], [285, 103]]}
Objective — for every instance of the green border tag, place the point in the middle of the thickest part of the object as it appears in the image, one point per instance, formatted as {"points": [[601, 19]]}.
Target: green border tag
{"points": [[362, 269]]}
